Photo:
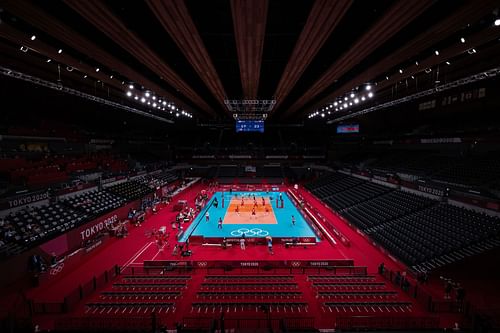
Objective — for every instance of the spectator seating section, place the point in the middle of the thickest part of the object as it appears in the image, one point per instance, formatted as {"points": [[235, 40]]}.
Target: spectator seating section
{"points": [[94, 203], [131, 190], [356, 195], [384, 208], [438, 236], [26, 228]]}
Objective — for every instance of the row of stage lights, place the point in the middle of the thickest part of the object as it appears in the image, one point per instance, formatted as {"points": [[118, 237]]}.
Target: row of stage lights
{"points": [[344, 102], [145, 98], [151, 100]]}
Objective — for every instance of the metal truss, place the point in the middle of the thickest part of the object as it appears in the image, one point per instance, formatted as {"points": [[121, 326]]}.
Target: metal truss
{"points": [[250, 105], [447, 86], [59, 87]]}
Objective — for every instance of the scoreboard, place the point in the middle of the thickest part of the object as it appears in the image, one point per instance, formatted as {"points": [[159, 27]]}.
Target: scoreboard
{"points": [[250, 126]]}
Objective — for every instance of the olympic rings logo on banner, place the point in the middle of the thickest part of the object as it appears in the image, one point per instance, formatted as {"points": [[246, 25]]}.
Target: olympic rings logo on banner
{"points": [[255, 232], [202, 264], [57, 269], [295, 263]]}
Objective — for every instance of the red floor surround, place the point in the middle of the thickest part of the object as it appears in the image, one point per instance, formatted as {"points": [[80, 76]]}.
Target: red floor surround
{"points": [[120, 251]]}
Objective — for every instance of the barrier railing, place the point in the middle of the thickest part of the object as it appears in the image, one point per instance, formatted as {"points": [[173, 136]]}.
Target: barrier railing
{"points": [[282, 324], [416, 291], [377, 322], [76, 295]]}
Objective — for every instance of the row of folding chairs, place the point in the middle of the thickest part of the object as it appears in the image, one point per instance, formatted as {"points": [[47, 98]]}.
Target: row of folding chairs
{"points": [[371, 307], [140, 295], [155, 279], [358, 294], [249, 278], [333, 279], [249, 294], [248, 286], [128, 308], [164, 284], [143, 288], [239, 306], [156, 276], [349, 286]]}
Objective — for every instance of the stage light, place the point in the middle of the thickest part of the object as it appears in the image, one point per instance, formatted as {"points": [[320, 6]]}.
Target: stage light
{"points": [[462, 40], [147, 94], [97, 69], [329, 112], [24, 49], [363, 98], [154, 105], [177, 114], [345, 98], [368, 87], [322, 115], [136, 97], [60, 51], [350, 103], [49, 60], [387, 78], [172, 107], [448, 63], [497, 22], [154, 98], [416, 63], [370, 94], [143, 100], [341, 108], [400, 71], [33, 37], [472, 51], [352, 95], [111, 76], [131, 86], [149, 103], [436, 52], [85, 76], [413, 77], [345, 105], [164, 103], [129, 93], [336, 109], [335, 104], [356, 100]]}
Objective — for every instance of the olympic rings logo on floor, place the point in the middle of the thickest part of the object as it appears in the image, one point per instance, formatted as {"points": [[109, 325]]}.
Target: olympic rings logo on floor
{"points": [[57, 269], [255, 232]]}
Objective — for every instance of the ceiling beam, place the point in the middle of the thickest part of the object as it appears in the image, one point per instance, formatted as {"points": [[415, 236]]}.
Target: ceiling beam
{"points": [[322, 20], [249, 21], [98, 14], [53, 27], [470, 12], [395, 19], [176, 20]]}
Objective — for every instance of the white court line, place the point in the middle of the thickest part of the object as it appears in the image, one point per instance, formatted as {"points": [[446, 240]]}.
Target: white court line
{"points": [[157, 253], [141, 251]]}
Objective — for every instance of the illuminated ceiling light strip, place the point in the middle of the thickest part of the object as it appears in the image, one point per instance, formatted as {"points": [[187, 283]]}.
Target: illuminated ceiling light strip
{"points": [[40, 82], [458, 83]]}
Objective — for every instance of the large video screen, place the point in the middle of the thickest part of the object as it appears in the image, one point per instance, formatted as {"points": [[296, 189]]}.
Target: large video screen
{"points": [[250, 126], [352, 128]]}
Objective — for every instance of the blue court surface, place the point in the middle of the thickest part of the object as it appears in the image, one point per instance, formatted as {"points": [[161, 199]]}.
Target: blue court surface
{"points": [[268, 220]]}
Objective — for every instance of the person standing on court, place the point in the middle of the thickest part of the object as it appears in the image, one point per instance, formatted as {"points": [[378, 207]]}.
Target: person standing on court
{"points": [[207, 217], [293, 220], [242, 242], [219, 224]]}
